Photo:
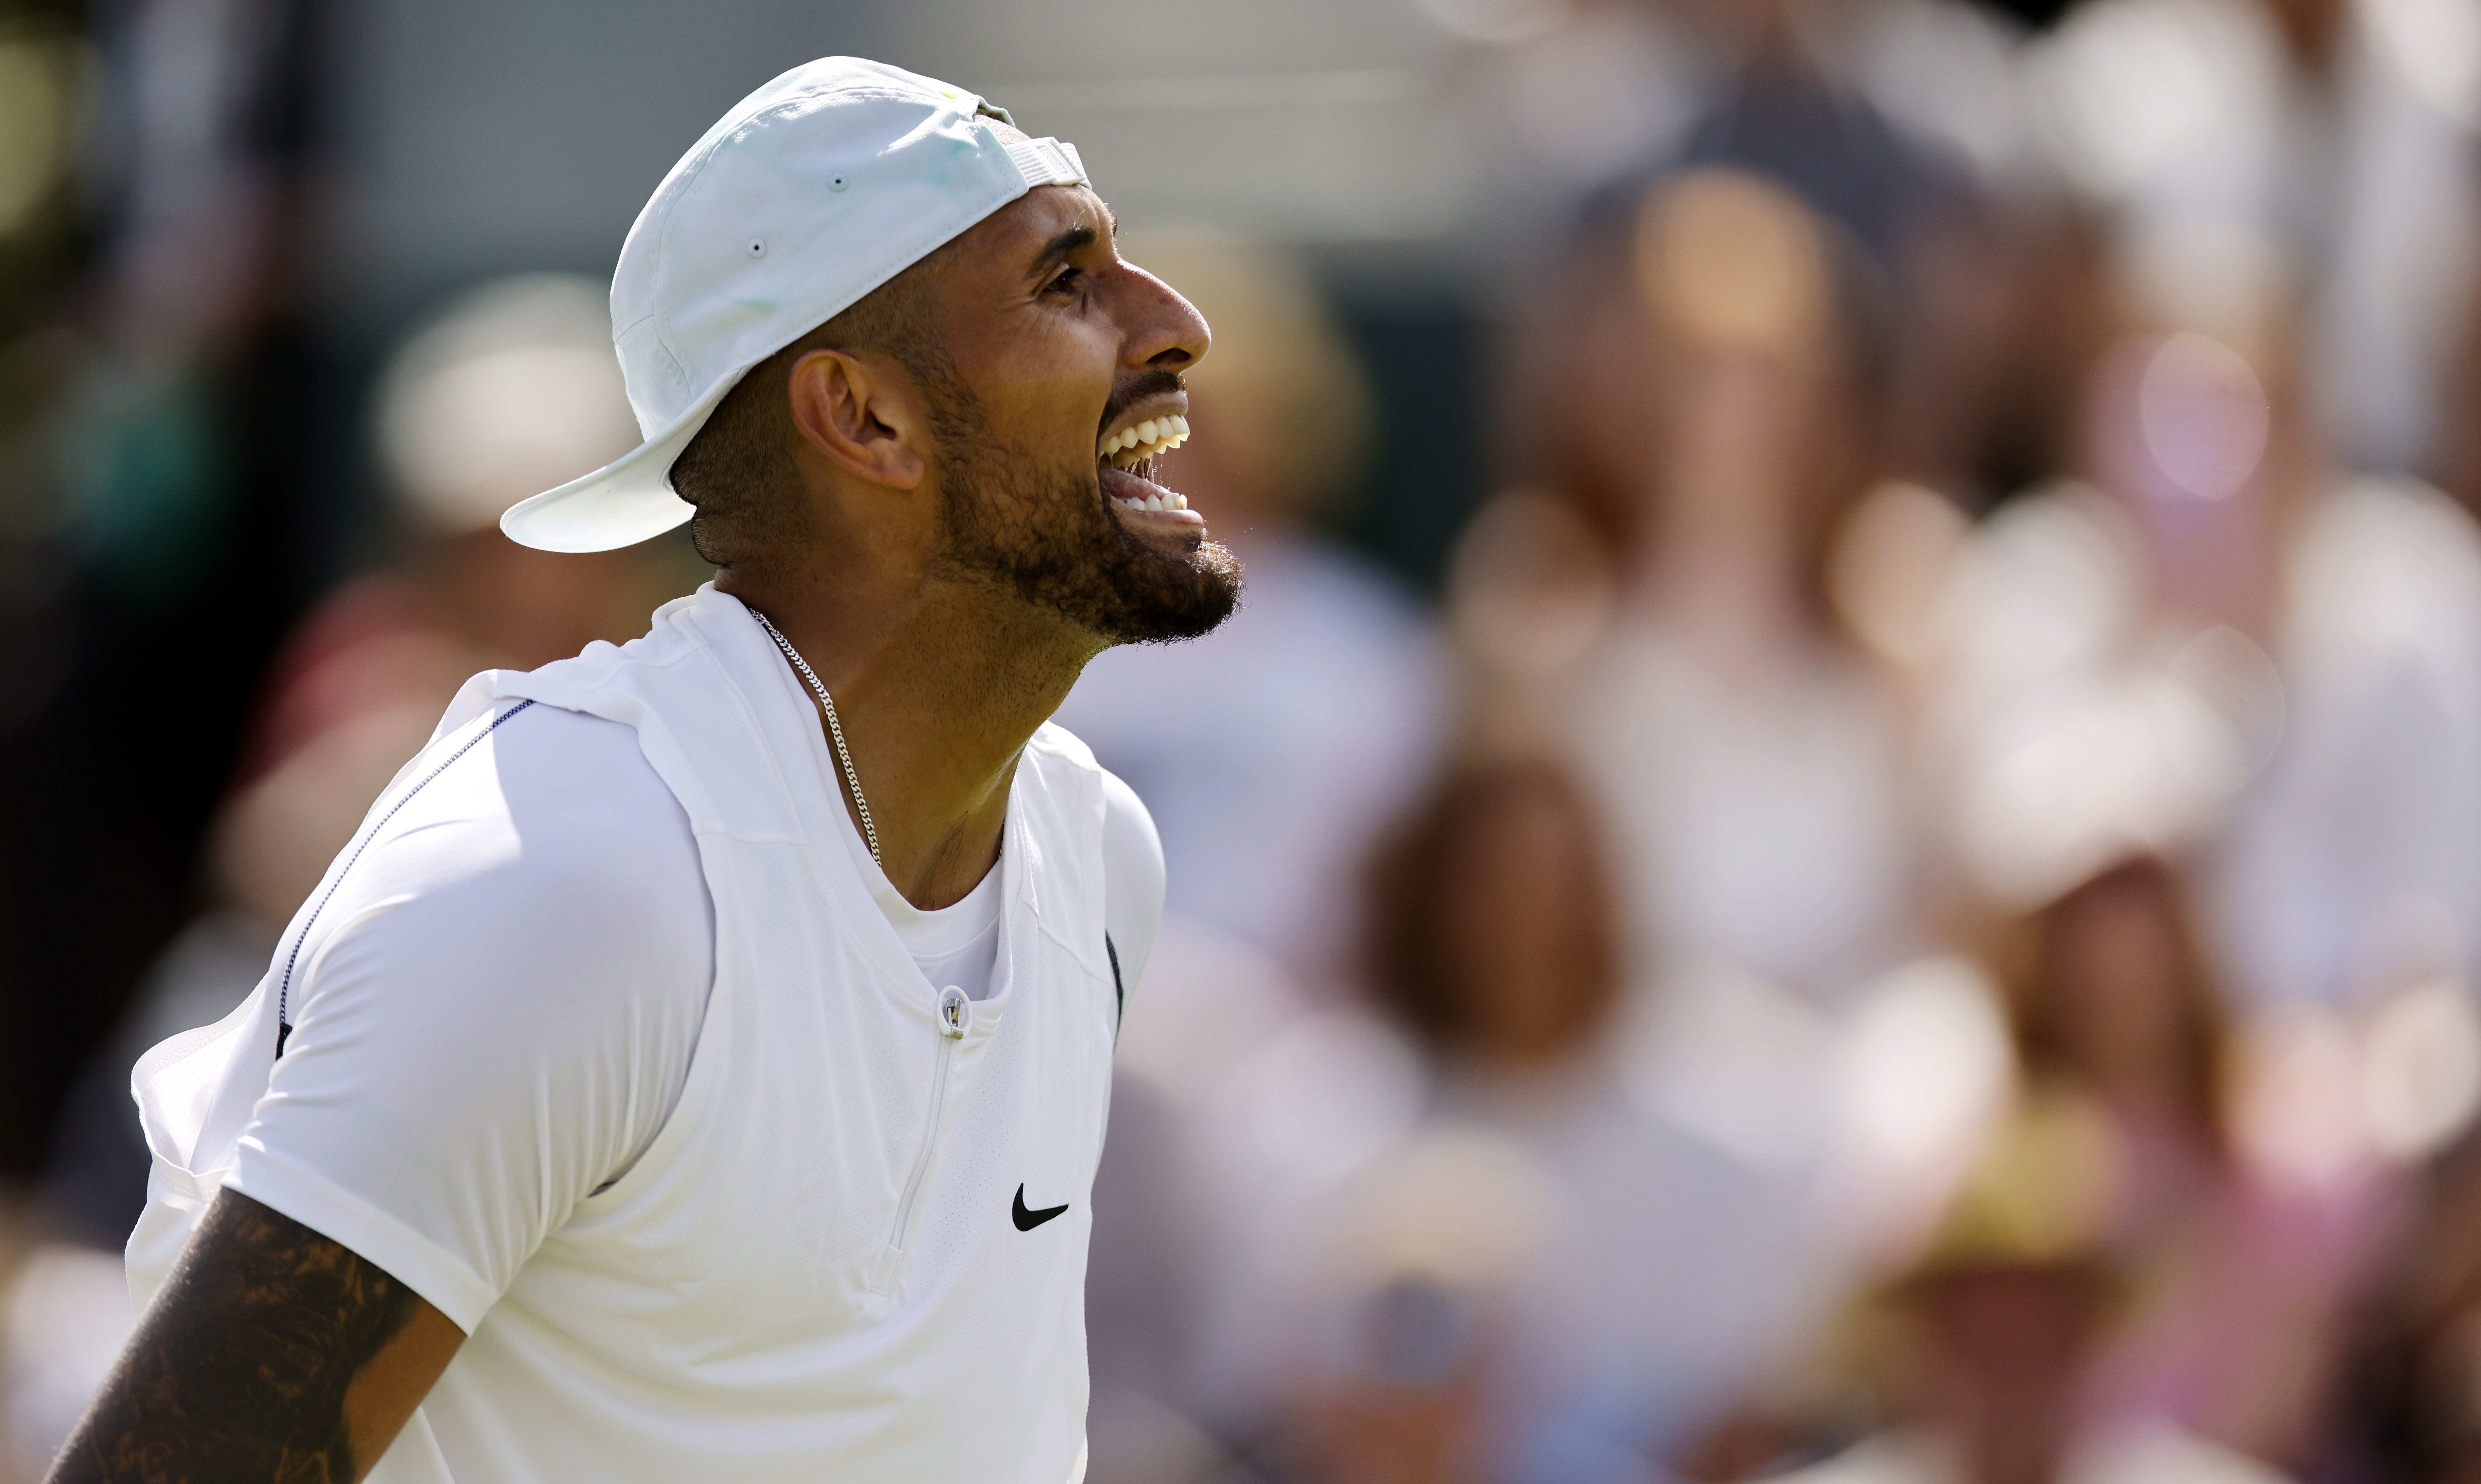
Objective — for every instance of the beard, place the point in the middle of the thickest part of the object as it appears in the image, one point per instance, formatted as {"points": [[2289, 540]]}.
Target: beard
{"points": [[1048, 534]]}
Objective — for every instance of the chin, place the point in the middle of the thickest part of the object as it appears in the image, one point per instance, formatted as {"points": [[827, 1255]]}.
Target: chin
{"points": [[1053, 538], [1175, 596]]}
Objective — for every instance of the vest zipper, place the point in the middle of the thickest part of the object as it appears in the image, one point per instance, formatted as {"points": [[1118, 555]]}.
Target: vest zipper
{"points": [[955, 1010]]}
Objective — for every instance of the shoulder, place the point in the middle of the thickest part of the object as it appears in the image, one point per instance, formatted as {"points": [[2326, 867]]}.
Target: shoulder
{"points": [[1053, 745], [568, 784], [1133, 854], [493, 1001], [537, 825], [1132, 848], [1132, 879]]}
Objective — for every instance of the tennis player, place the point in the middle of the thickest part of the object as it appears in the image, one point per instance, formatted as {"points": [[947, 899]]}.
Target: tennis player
{"points": [[696, 1065]]}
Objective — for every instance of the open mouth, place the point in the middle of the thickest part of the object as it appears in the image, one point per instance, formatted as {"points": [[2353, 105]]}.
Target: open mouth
{"points": [[1127, 457]]}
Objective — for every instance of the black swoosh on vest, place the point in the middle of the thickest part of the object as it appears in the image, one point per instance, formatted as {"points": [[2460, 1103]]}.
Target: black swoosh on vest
{"points": [[1028, 1220]]}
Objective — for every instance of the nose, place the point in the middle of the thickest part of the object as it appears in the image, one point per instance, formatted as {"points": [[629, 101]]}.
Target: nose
{"points": [[1162, 330]]}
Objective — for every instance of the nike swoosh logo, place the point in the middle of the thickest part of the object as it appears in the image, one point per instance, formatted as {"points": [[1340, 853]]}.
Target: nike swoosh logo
{"points": [[1028, 1220]]}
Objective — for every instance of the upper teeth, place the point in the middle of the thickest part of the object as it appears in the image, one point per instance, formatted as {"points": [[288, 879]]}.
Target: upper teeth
{"points": [[1146, 440]]}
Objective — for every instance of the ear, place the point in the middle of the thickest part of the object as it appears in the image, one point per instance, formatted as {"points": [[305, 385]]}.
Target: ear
{"points": [[863, 412]]}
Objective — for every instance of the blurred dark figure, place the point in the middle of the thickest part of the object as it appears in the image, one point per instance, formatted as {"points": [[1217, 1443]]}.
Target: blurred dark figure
{"points": [[1541, 1277], [1495, 933], [2114, 998], [1983, 1351], [161, 408], [2241, 1276], [2413, 1376], [161, 528]]}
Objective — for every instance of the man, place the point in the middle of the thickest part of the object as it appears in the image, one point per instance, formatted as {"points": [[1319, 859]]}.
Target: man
{"points": [[696, 1066]]}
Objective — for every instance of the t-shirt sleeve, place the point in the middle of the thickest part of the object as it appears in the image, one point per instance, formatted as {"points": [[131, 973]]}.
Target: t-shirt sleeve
{"points": [[1132, 879], [492, 1016]]}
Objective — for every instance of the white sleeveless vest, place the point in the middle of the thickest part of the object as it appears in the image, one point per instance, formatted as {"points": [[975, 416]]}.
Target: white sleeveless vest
{"points": [[817, 1269]]}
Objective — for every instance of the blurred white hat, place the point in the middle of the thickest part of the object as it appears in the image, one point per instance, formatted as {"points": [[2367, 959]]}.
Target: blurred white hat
{"points": [[813, 191], [512, 389]]}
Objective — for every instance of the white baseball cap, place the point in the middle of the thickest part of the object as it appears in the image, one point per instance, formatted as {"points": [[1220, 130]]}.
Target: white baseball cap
{"points": [[813, 191]]}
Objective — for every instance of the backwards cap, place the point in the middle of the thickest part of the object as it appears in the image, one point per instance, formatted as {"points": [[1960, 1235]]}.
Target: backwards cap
{"points": [[810, 193]]}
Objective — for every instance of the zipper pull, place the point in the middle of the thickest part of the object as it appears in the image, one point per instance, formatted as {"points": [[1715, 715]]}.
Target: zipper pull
{"points": [[955, 1012]]}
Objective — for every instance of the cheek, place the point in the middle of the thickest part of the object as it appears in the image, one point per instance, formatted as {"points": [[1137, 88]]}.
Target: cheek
{"points": [[1046, 392], [1073, 428]]}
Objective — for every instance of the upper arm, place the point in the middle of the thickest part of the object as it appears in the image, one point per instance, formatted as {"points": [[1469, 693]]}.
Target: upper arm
{"points": [[272, 1353], [500, 1018], [1132, 879]]}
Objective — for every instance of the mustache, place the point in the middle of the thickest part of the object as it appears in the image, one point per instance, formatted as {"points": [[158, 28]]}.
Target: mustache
{"points": [[1137, 389]]}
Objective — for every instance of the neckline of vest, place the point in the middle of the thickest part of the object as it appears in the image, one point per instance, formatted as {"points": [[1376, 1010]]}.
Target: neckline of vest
{"points": [[781, 706]]}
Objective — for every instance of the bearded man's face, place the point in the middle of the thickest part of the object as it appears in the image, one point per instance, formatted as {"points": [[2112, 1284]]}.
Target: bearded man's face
{"points": [[1056, 386]]}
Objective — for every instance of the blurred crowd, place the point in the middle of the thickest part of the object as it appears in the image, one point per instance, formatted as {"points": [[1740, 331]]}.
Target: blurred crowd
{"points": [[1902, 907]]}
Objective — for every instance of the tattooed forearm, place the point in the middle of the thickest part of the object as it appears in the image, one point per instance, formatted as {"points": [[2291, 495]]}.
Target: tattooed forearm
{"points": [[244, 1367]]}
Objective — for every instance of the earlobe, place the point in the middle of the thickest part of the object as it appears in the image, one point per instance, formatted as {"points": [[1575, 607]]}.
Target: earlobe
{"points": [[860, 412]]}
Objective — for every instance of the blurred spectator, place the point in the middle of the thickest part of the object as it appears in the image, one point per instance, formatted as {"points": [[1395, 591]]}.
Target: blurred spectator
{"points": [[1540, 1277], [1270, 752], [1710, 415], [2240, 1276], [1903, 121], [1494, 931], [2224, 636], [1904, 124], [2343, 130], [1983, 1350]]}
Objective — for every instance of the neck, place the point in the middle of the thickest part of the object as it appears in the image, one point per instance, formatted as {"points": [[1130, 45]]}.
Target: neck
{"points": [[937, 686]]}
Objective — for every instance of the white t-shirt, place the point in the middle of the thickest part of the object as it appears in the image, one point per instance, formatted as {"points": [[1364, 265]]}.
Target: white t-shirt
{"points": [[494, 1012], [958, 943]]}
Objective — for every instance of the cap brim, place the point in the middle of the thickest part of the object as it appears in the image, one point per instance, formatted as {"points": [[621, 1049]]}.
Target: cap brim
{"points": [[627, 500]]}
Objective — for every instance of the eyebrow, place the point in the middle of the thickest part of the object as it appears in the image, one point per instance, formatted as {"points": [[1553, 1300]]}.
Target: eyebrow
{"points": [[1056, 250]]}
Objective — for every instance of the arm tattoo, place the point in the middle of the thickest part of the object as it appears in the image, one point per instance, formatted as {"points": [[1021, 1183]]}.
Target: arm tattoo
{"points": [[239, 1369]]}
